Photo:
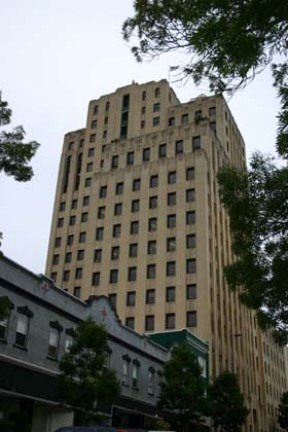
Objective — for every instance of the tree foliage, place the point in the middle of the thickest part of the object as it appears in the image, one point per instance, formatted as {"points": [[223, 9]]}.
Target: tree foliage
{"points": [[228, 43], [283, 411], [182, 388], [15, 154], [84, 378], [5, 306], [226, 403]]}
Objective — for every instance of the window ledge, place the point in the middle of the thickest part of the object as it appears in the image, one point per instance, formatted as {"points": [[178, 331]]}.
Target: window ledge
{"points": [[52, 358], [20, 347]]}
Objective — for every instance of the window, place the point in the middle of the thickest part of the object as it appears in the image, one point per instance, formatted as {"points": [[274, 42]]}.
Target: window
{"points": [[151, 271], [191, 266], [130, 158], [152, 224], [22, 330], [113, 300], [171, 244], [99, 233], [84, 217], [191, 319], [98, 255], [156, 107], [190, 241], [93, 124], [55, 260], [143, 110], [171, 121], [116, 230], [212, 111], [118, 209], [170, 294], [80, 255], [69, 340], [134, 227], [131, 298], [86, 200], [172, 177], [82, 237], [136, 185], [153, 181], [89, 167], [54, 276], [151, 250], [190, 173], [156, 121], [103, 192], [105, 134], [179, 147], [106, 120], [107, 106], [135, 206], [150, 296], [190, 195], [143, 95], [113, 276], [95, 110], [162, 150], [3, 328], [115, 161], [170, 321], [70, 240], [151, 381], [132, 274], [70, 145], [119, 188], [53, 347], [72, 220], [88, 181], [57, 242], [190, 217], [142, 124], [68, 257], [198, 116], [74, 204], [60, 223], [146, 154], [130, 322], [91, 152], [133, 249], [82, 142], [92, 138], [191, 292], [62, 206], [196, 143], [170, 268], [135, 374], [115, 253], [213, 126], [171, 199], [101, 212], [157, 92], [184, 118], [149, 323], [153, 202], [66, 275], [171, 221], [125, 372]]}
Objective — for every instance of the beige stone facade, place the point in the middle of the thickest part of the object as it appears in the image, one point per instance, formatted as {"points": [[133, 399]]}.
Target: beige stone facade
{"points": [[137, 217]]}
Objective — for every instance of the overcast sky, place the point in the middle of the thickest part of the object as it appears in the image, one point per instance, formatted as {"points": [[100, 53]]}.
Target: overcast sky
{"points": [[55, 56]]}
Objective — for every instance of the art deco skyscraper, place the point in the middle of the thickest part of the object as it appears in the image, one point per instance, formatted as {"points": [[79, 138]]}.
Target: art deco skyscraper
{"points": [[137, 217]]}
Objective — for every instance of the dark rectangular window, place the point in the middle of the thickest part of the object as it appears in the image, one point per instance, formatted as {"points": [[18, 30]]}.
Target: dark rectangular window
{"points": [[171, 199], [190, 173], [157, 92], [131, 298], [116, 230], [82, 237], [55, 260], [118, 209], [152, 224], [78, 273], [89, 167], [150, 296], [153, 181], [86, 200], [156, 121], [62, 206], [130, 158], [66, 276], [171, 221], [115, 161], [93, 124], [170, 294], [74, 204], [68, 257], [146, 154], [84, 217], [171, 121], [91, 152], [98, 255], [136, 185], [172, 177], [212, 111], [171, 244], [135, 206], [70, 240], [171, 268], [101, 212], [113, 276], [156, 107], [144, 95], [95, 110], [179, 147], [130, 322], [190, 217], [153, 202], [99, 233], [113, 300], [191, 293], [72, 220], [96, 279], [191, 266], [57, 242], [151, 271], [170, 321], [80, 254], [92, 138], [132, 274], [190, 241], [119, 188], [191, 319], [22, 330], [190, 195], [151, 249], [162, 150], [103, 192], [115, 253], [88, 182], [184, 118], [149, 323], [60, 222], [196, 143], [134, 227], [133, 250]]}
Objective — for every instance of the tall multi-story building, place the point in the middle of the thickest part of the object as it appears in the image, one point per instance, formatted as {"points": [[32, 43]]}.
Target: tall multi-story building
{"points": [[137, 217]]}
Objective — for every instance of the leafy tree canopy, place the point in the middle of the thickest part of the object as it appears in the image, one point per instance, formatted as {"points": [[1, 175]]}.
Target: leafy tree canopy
{"points": [[228, 43], [84, 378], [15, 154], [5, 306], [226, 403], [182, 388], [283, 411]]}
